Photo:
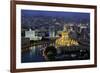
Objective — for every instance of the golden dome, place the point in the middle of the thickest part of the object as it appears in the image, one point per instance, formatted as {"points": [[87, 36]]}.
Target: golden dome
{"points": [[65, 40]]}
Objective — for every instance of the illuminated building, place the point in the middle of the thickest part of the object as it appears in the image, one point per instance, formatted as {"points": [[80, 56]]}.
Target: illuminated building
{"points": [[31, 34], [65, 39]]}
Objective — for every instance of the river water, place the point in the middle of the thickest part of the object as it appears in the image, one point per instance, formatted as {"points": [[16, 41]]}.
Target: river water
{"points": [[35, 54]]}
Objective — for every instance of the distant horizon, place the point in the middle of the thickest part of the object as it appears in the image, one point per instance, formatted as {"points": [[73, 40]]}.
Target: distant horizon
{"points": [[54, 13], [37, 19]]}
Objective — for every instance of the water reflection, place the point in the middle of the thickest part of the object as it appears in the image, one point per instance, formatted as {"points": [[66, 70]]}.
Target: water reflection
{"points": [[34, 54]]}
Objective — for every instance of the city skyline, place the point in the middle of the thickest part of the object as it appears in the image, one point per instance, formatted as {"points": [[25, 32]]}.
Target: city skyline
{"points": [[44, 19], [54, 36]]}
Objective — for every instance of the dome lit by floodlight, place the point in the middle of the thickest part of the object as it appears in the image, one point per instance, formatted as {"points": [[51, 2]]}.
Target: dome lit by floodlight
{"points": [[65, 39]]}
